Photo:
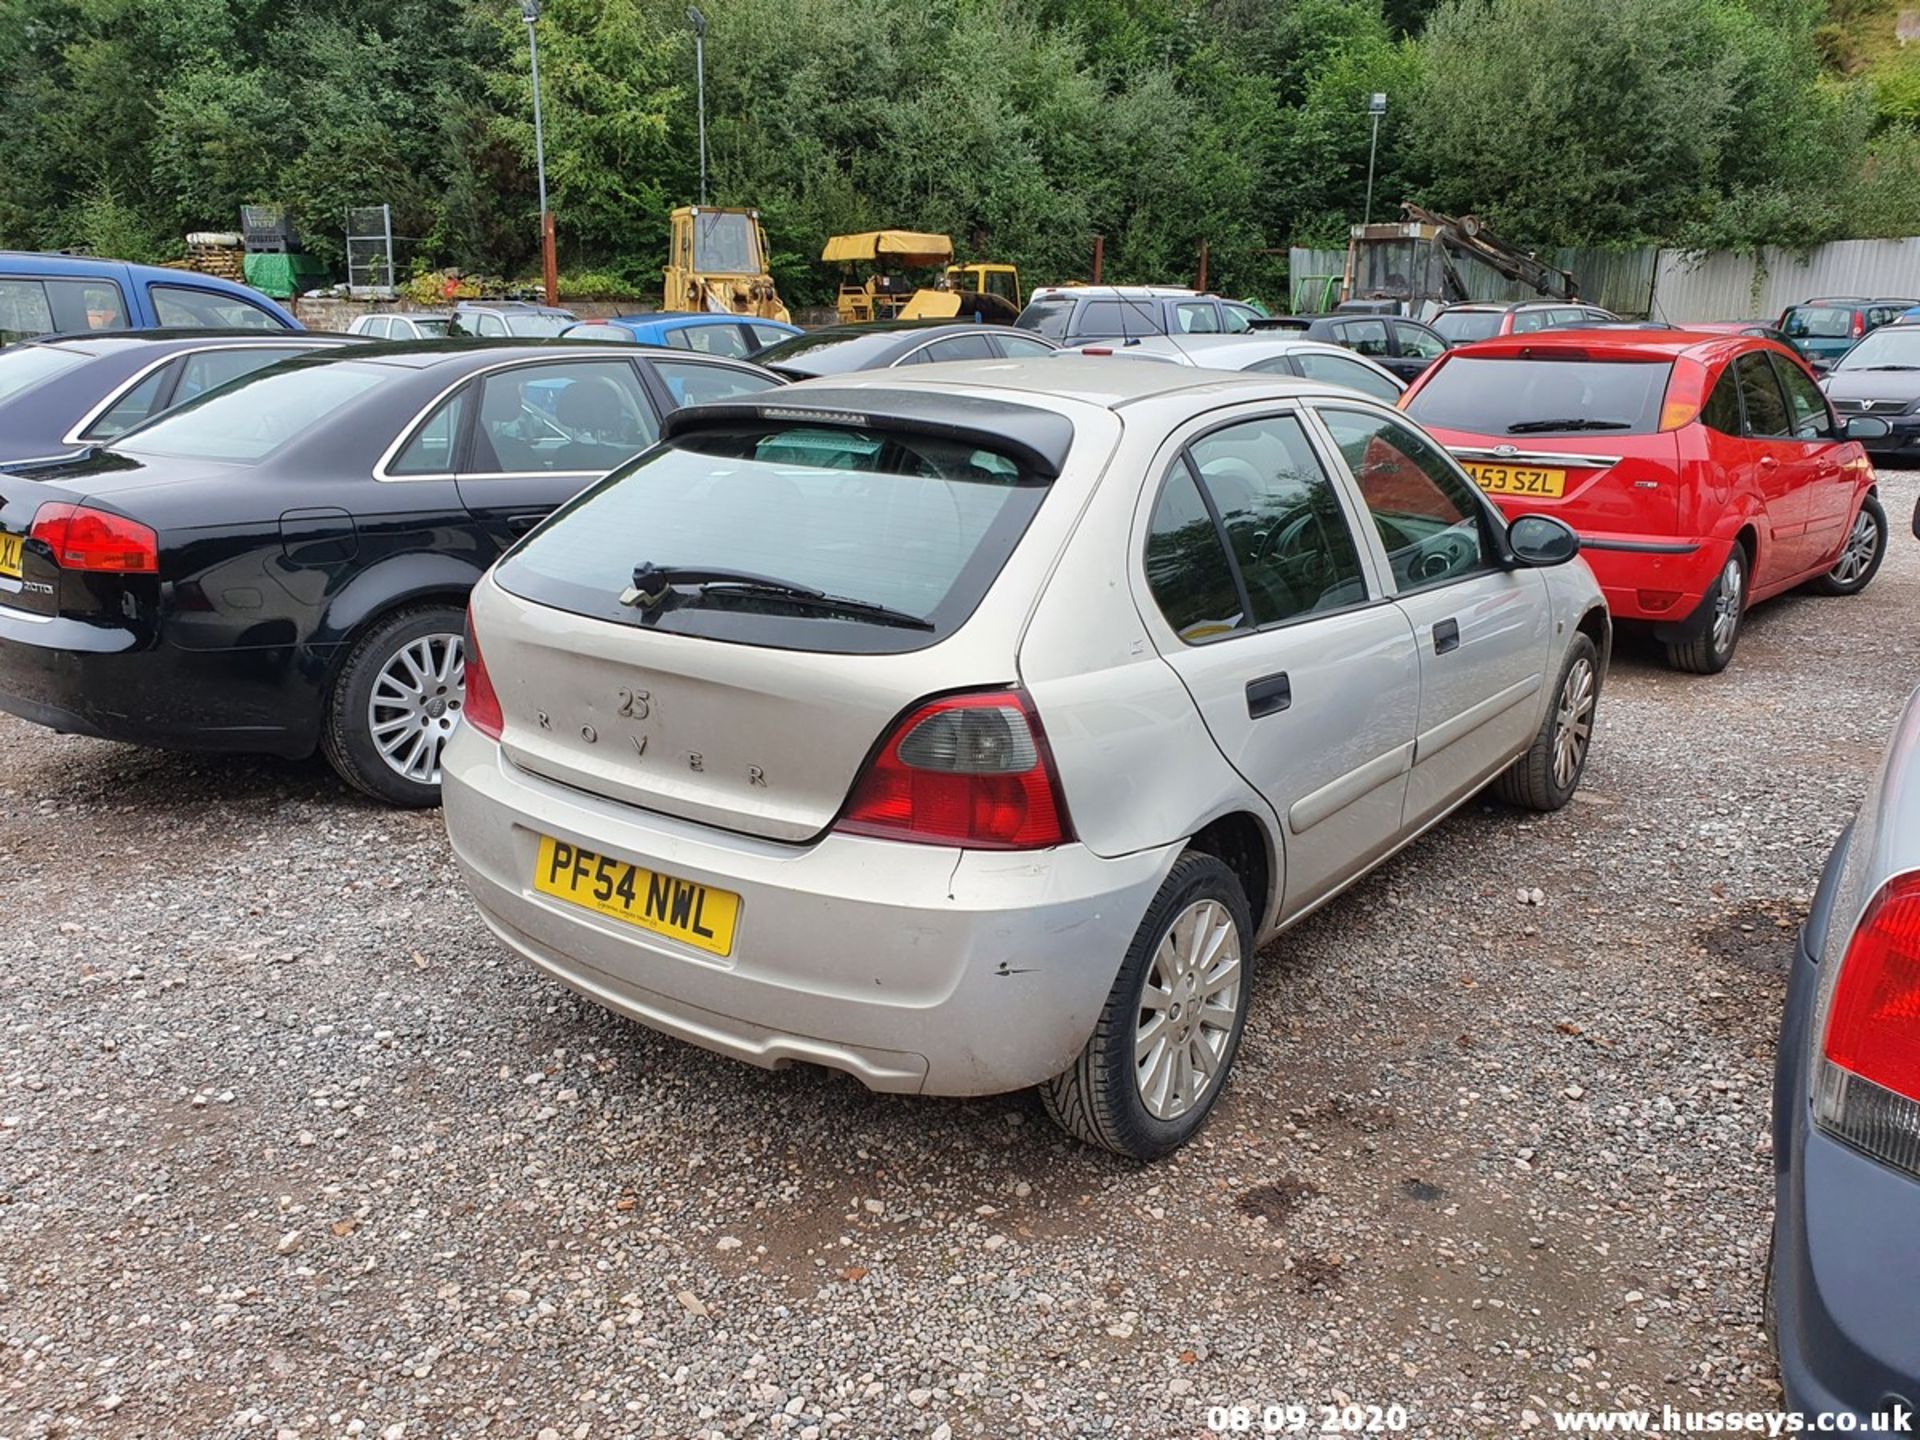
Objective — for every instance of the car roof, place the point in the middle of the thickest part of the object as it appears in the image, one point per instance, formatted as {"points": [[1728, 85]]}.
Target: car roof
{"points": [[528, 306], [1619, 344], [103, 341], [1065, 377], [474, 354], [1110, 292]]}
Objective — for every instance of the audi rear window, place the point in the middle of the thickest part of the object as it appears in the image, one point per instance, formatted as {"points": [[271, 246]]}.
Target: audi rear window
{"points": [[897, 535], [249, 418], [1533, 396], [24, 366]]}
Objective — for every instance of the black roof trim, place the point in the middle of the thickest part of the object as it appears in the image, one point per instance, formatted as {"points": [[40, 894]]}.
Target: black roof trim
{"points": [[1037, 440]]}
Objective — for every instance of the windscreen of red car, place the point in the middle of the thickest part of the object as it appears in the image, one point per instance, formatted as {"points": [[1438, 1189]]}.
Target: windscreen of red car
{"points": [[1533, 396]]}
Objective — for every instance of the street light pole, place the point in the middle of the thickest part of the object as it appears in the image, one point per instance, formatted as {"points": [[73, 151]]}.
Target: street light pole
{"points": [[699, 23], [530, 12], [1376, 107]]}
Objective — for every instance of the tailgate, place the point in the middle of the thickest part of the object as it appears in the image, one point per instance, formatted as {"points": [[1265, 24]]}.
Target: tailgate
{"points": [[1631, 486]]}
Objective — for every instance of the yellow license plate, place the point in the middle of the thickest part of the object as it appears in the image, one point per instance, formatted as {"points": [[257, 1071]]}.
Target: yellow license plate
{"points": [[696, 915], [10, 555], [1518, 479]]}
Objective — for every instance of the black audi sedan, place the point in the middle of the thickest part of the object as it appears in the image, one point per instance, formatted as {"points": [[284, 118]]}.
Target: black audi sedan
{"points": [[282, 565], [62, 393]]}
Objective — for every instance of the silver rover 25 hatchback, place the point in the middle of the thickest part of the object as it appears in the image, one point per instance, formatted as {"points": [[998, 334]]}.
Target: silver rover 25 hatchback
{"points": [[973, 729]]}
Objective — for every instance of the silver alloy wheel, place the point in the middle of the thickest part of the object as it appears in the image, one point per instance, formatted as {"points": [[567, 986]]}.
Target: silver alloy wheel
{"points": [[1726, 604], [1573, 723], [416, 702], [1857, 554], [1187, 1010]]}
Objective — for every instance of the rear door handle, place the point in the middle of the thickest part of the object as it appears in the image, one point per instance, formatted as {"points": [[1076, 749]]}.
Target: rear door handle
{"points": [[1768, 462], [1269, 695], [1446, 636]]}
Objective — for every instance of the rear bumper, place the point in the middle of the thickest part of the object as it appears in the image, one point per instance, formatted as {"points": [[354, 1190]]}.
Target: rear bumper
{"points": [[1846, 1271], [108, 683], [914, 968], [1661, 579]]}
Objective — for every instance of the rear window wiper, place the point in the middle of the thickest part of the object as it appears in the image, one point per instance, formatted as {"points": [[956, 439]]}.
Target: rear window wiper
{"points": [[1530, 427], [652, 584]]}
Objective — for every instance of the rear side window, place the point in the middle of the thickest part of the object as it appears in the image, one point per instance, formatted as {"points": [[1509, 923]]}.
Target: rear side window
{"points": [[1100, 318], [728, 340], [1722, 410], [905, 531], [24, 311], [430, 451], [1338, 370], [1197, 319], [87, 305], [186, 306], [1417, 341], [1760, 393], [213, 368], [131, 408], [1543, 397]]}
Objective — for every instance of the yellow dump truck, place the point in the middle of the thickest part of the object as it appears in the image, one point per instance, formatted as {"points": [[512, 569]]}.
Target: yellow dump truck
{"points": [[717, 261], [989, 291]]}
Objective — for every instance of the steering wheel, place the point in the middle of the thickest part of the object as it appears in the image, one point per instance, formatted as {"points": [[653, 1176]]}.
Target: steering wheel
{"points": [[1285, 541]]}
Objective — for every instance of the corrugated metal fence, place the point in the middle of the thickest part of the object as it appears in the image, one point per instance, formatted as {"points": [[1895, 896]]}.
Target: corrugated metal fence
{"points": [[1681, 287]]}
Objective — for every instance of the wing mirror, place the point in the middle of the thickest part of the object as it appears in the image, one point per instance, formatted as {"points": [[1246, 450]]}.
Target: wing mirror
{"points": [[1537, 541], [1866, 427]]}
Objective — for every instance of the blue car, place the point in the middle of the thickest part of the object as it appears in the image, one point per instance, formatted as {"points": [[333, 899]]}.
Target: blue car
{"points": [[1844, 1279], [71, 294], [735, 336]]}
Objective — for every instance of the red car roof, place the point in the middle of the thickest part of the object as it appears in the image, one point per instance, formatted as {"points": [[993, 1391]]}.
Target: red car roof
{"points": [[1615, 345]]}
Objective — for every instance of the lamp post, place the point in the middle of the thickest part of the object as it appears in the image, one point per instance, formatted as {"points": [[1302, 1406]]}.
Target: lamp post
{"points": [[530, 12], [699, 24], [1376, 107]]}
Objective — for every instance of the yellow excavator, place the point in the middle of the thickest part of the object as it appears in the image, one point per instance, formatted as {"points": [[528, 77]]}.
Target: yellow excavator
{"points": [[717, 261], [984, 290]]}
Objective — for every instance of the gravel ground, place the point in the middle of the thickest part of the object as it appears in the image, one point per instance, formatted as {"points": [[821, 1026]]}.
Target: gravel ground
{"points": [[289, 1148]]}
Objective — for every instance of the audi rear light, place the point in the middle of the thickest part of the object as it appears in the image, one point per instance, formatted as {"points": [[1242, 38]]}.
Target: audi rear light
{"points": [[969, 770], [82, 538], [481, 705], [1867, 1081]]}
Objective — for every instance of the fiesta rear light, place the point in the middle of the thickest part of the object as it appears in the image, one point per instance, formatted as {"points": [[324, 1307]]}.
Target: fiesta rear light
{"points": [[481, 704], [82, 538], [1867, 1085], [1686, 394], [968, 770]]}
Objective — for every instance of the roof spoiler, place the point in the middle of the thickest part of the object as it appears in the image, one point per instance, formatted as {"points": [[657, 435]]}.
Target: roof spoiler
{"points": [[1035, 439]]}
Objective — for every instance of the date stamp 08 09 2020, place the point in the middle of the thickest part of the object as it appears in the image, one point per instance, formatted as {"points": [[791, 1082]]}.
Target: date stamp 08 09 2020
{"points": [[1307, 1419]]}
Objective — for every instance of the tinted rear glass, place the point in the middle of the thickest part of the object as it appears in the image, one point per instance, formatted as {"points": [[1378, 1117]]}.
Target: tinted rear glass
{"points": [[1819, 322], [249, 419], [1047, 317], [1518, 397], [1462, 326], [24, 366], [919, 525], [834, 352]]}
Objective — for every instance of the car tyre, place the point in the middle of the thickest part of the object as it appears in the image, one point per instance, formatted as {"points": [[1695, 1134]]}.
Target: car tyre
{"points": [[1860, 557], [1546, 776], [395, 703], [1711, 651], [1158, 1060]]}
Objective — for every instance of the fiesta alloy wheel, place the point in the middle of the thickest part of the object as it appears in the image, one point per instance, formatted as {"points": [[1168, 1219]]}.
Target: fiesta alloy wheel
{"points": [[396, 703]]}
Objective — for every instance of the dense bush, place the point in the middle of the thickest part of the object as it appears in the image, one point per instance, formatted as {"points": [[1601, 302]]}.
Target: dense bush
{"points": [[1022, 127]]}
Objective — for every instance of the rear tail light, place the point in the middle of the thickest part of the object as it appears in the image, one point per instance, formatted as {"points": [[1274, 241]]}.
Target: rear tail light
{"points": [[1867, 1076], [1686, 393], [481, 705], [82, 538], [967, 770], [1859, 324]]}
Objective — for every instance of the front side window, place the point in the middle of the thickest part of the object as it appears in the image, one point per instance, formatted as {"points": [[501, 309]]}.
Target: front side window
{"points": [[1806, 406], [1286, 531], [1236, 319], [1364, 337], [1419, 341], [899, 533], [186, 306], [1187, 566], [693, 384], [1020, 347], [1339, 370], [1432, 522], [957, 347], [583, 416], [727, 340], [489, 324], [1760, 393]]}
